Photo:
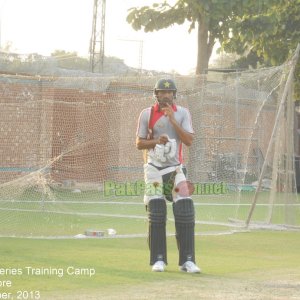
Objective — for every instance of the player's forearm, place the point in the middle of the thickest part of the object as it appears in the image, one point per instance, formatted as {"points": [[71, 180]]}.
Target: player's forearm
{"points": [[185, 137], [143, 144]]}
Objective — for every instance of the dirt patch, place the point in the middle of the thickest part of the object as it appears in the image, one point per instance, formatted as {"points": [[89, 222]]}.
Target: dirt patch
{"points": [[202, 287]]}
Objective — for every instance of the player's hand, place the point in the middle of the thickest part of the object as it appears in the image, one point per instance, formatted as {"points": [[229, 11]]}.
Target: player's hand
{"points": [[163, 139], [168, 111]]}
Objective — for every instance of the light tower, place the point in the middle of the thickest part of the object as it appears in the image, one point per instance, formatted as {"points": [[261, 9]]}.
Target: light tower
{"points": [[97, 38]]}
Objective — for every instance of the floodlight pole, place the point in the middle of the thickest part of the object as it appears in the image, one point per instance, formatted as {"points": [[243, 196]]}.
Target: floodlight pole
{"points": [[97, 37], [281, 105]]}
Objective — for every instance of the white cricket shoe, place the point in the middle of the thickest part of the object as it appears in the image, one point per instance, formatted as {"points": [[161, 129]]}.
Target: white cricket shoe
{"points": [[159, 266], [190, 267]]}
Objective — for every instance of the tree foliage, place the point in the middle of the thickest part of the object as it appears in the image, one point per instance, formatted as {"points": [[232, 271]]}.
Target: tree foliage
{"points": [[267, 34], [263, 32], [209, 17]]}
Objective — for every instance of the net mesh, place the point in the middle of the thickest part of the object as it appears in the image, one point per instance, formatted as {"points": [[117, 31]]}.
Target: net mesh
{"points": [[69, 165]]}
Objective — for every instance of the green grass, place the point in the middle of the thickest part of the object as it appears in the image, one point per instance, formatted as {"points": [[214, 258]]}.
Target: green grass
{"points": [[247, 264], [122, 264], [73, 213]]}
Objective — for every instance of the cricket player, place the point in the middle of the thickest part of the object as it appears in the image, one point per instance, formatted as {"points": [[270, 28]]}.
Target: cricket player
{"points": [[162, 128]]}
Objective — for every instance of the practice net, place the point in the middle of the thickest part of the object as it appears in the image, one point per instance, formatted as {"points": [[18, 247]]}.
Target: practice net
{"points": [[69, 166]]}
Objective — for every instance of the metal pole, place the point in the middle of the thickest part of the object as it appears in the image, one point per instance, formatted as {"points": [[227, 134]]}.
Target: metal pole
{"points": [[281, 106]]}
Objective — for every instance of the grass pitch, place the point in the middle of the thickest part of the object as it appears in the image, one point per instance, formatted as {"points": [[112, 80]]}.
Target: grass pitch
{"points": [[249, 265], [253, 265]]}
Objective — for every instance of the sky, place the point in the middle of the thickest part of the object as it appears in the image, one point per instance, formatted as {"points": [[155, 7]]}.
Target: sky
{"points": [[42, 26]]}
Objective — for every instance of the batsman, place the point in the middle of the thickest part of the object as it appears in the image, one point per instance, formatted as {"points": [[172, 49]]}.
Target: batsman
{"points": [[162, 128]]}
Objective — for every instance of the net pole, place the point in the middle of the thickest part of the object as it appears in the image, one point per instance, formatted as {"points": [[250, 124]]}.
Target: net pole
{"points": [[280, 109], [289, 176], [274, 176]]}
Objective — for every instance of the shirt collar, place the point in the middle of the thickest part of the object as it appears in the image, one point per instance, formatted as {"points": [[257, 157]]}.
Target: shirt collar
{"points": [[156, 107]]}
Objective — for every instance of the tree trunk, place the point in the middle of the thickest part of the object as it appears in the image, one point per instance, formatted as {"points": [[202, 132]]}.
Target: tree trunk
{"points": [[203, 48]]}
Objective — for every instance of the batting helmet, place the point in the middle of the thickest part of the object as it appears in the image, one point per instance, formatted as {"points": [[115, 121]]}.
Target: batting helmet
{"points": [[165, 85]]}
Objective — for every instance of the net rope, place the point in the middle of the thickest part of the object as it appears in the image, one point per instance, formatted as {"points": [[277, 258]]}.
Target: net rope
{"points": [[69, 163]]}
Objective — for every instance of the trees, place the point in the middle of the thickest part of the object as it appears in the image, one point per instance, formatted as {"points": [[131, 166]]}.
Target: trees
{"points": [[271, 30], [266, 35], [263, 32], [209, 16], [70, 60]]}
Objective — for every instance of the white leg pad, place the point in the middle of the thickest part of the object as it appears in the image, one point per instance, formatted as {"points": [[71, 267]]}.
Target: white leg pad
{"points": [[153, 184], [179, 178]]}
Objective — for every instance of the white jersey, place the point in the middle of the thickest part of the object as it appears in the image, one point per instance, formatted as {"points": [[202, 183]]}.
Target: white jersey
{"points": [[161, 125]]}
